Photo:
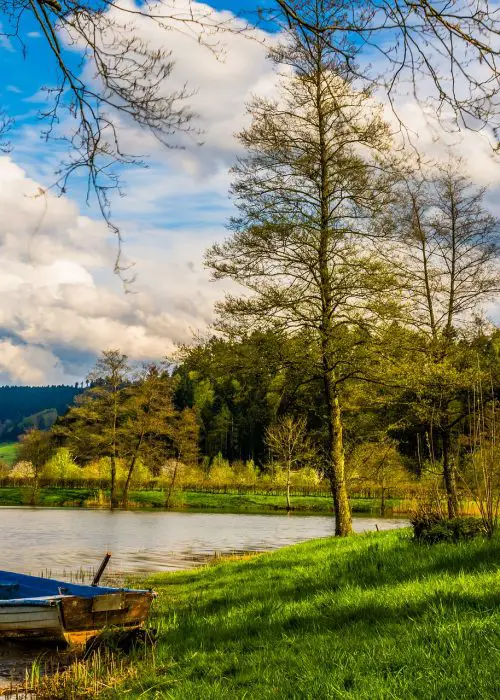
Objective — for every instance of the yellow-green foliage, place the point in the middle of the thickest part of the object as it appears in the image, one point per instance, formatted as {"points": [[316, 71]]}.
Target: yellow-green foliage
{"points": [[101, 469], [306, 477], [141, 474], [98, 469], [245, 473], [22, 470], [193, 476], [61, 466], [377, 464], [221, 474]]}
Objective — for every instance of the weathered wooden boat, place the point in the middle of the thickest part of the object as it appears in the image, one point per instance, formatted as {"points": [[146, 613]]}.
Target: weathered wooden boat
{"points": [[32, 607]]}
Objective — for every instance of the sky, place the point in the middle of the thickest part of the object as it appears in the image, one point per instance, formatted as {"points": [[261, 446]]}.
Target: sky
{"points": [[61, 304]]}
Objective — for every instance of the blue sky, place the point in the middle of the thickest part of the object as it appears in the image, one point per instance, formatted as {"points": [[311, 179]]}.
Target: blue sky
{"points": [[61, 303]]}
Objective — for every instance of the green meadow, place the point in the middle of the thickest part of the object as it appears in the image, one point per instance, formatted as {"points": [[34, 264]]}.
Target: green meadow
{"points": [[8, 452], [366, 617]]}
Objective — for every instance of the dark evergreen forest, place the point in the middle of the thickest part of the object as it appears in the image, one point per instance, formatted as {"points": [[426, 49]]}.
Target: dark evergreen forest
{"points": [[23, 407]]}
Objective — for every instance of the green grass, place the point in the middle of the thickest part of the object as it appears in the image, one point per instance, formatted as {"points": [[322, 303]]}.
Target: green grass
{"points": [[188, 500], [8, 452], [372, 616], [19, 496]]}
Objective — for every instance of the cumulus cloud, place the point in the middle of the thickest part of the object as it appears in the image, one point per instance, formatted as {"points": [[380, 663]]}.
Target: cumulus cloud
{"points": [[24, 364], [61, 299]]}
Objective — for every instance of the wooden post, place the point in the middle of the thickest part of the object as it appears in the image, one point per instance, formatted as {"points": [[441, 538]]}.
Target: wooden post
{"points": [[100, 571]]}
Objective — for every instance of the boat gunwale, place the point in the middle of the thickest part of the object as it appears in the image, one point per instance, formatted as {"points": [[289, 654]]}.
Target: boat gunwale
{"points": [[64, 590]]}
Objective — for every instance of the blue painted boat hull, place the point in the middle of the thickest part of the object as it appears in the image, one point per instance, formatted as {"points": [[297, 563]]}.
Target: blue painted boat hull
{"points": [[35, 607]]}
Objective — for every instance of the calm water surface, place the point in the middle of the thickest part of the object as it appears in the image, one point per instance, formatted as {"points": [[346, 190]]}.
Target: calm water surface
{"points": [[65, 541]]}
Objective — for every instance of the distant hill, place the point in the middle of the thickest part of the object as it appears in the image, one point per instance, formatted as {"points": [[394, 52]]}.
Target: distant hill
{"points": [[24, 407]]}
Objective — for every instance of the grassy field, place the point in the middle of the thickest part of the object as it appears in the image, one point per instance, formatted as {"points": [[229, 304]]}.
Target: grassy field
{"points": [[8, 452], [188, 500], [368, 617]]}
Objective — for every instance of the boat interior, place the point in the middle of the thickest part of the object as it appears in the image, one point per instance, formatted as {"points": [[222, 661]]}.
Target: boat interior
{"points": [[15, 587]]}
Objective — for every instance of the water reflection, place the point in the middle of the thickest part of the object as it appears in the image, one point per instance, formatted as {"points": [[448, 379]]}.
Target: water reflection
{"points": [[63, 542]]}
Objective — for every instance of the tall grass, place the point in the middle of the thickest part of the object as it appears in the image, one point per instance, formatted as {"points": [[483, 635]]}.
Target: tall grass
{"points": [[367, 617]]}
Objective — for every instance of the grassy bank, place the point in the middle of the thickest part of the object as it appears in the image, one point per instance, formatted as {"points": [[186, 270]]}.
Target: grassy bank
{"points": [[187, 500], [372, 616]]}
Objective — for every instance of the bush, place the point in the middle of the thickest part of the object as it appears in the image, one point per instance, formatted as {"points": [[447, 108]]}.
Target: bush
{"points": [[245, 473], [4, 469], [61, 466], [221, 473], [430, 528], [22, 470]]}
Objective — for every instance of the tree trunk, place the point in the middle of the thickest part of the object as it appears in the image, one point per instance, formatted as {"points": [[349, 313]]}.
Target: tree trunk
{"points": [[171, 487], [336, 466], [288, 476], [113, 495], [127, 482], [449, 476], [131, 470]]}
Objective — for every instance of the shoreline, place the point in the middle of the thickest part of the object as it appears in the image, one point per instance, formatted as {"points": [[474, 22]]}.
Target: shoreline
{"points": [[194, 501]]}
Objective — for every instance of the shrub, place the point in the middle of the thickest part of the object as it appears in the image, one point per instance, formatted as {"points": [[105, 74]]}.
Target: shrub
{"points": [[221, 473], [4, 469], [305, 477], [97, 469], [245, 473], [61, 466], [22, 470], [430, 528]]}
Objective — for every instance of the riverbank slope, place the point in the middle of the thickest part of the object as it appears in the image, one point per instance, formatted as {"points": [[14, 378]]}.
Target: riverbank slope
{"points": [[371, 616]]}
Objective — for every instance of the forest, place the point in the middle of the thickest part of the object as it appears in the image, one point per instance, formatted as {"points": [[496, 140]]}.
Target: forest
{"points": [[24, 407]]}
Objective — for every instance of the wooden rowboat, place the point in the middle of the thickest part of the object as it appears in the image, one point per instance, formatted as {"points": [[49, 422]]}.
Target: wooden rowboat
{"points": [[32, 607]]}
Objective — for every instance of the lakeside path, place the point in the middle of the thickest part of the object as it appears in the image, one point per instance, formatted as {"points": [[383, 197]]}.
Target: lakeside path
{"points": [[190, 500], [367, 617]]}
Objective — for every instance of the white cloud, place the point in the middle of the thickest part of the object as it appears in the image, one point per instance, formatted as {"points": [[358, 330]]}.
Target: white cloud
{"points": [[60, 298], [23, 364]]}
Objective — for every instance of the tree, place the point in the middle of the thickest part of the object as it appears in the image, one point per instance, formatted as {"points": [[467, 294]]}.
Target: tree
{"points": [[232, 387], [148, 420], [91, 428], [448, 52], [447, 252], [186, 436], [288, 441], [128, 76], [311, 179], [36, 449], [377, 463], [186, 432]]}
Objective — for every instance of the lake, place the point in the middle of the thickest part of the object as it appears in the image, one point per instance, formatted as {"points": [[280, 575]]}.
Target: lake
{"points": [[72, 542]]}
